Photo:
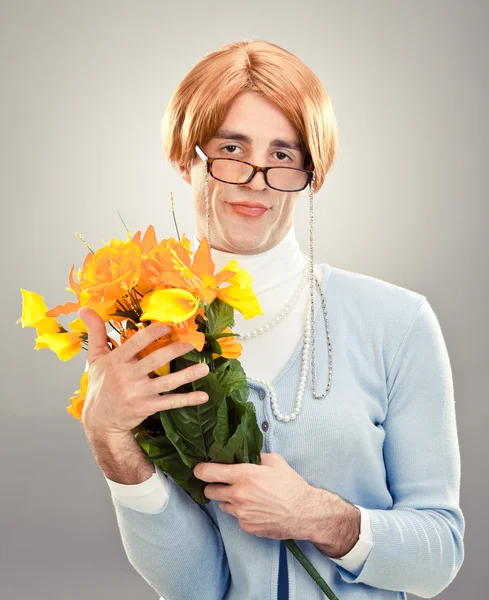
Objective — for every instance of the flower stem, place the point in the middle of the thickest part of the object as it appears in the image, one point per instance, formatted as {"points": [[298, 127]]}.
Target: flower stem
{"points": [[297, 552]]}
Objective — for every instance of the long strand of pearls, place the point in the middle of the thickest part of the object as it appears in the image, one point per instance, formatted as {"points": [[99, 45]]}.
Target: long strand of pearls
{"points": [[308, 333]]}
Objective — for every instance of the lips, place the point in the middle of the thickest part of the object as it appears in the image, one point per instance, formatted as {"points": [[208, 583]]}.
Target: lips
{"points": [[249, 204], [249, 209]]}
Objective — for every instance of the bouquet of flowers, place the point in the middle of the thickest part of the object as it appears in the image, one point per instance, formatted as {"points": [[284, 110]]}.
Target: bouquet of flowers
{"points": [[135, 282]]}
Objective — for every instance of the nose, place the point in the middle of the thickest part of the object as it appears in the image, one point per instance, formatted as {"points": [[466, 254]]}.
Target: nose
{"points": [[257, 182]]}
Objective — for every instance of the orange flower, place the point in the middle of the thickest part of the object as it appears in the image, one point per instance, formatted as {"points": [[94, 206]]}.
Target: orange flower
{"points": [[106, 276], [78, 400], [230, 346], [157, 269]]}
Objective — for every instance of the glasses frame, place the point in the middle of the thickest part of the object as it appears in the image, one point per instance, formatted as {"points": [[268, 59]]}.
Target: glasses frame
{"points": [[209, 162]]}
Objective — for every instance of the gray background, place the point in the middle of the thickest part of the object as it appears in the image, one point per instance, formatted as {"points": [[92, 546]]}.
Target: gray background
{"points": [[84, 87]]}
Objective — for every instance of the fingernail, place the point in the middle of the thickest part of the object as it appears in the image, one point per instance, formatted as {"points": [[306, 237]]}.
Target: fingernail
{"points": [[201, 369], [202, 398]]}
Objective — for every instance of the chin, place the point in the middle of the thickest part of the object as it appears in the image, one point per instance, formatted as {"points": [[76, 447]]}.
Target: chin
{"points": [[243, 242]]}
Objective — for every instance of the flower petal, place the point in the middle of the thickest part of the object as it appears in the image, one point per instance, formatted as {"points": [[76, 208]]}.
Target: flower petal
{"points": [[169, 306]]}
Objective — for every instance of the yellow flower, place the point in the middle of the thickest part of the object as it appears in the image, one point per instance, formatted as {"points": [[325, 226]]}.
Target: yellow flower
{"points": [[34, 312], [65, 345], [169, 306], [50, 334], [201, 281]]}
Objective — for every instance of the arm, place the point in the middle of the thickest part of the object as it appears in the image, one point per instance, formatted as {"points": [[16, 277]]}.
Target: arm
{"points": [[418, 544], [357, 552], [178, 551]]}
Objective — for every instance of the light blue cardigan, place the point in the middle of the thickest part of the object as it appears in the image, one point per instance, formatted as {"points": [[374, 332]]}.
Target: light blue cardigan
{"points": [[384, 438]]}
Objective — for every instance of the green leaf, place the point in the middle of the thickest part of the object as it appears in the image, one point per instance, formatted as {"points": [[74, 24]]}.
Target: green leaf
{"points": [[163, 454], [220, 335], [190, 428], [219, 316], [231, 380], [214, 345]]}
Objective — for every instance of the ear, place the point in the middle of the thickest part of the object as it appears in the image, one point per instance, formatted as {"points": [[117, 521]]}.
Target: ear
{"points": [[185, 174]]}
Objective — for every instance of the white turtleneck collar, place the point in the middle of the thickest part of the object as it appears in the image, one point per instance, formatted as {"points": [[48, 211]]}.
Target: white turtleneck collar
{"points": [[276, 274], [270, 268]]}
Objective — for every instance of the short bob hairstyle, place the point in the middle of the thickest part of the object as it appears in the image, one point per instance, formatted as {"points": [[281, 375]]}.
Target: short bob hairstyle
{"points": [[198, 106]]}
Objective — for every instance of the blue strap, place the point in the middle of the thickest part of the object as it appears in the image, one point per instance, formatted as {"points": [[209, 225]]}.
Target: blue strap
{"points": [[283, 577]]}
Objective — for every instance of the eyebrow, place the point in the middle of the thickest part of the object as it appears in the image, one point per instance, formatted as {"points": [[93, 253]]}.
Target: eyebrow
{"points": [[226, 134]]}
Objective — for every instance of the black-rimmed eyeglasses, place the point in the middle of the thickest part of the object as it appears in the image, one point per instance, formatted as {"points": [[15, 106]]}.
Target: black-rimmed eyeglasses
{"points": [[239, 172]]}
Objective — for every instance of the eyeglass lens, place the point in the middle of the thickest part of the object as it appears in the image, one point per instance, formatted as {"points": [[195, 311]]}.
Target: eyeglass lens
{"points": [[235, 172]]}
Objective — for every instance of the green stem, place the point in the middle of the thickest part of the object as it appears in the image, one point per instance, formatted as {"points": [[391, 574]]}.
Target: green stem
{"points": [[297, 552]]}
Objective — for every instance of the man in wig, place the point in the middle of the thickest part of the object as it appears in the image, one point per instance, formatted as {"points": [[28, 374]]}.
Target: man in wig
{"points": [[349, 375]]}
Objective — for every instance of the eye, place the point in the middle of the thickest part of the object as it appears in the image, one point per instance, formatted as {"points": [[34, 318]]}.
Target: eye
{"points": [[229, 146], [283, 154]]}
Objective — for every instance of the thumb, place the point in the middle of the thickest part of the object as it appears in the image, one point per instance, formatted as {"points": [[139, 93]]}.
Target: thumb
{"points": [[97, 333]]}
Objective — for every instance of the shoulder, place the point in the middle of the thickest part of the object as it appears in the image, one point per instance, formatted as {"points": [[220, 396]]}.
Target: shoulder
{"points": [[374, 292], [370, 306]]}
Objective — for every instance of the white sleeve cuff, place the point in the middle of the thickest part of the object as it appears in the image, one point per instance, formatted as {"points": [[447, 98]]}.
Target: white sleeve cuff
{"points": [[150, 496], [355, 559]]}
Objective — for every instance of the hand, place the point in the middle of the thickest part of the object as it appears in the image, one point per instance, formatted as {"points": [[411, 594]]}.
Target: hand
{"points": [[120, 394], [269, 500]]}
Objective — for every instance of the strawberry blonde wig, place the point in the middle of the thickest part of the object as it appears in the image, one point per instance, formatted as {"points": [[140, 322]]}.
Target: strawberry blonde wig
{"points": [[198, 106]]}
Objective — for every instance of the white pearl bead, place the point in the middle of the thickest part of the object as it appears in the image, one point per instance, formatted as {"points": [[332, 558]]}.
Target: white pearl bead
{"points": [[287, 419]]}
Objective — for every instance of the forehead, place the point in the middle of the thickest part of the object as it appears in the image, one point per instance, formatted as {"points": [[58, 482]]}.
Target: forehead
{"points": [[252, 118]]}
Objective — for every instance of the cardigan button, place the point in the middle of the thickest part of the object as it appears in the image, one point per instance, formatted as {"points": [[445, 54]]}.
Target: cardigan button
{"points": [[265, 425], [262, 395]]}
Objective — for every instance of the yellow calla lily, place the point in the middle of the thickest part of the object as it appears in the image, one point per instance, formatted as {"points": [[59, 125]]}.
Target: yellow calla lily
{"points": [[242, 299], [34, 309], [64, 345], [78, 325], [169, 306], [202, 281]]}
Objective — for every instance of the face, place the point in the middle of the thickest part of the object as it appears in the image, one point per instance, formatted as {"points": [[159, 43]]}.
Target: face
{"points": [[247, 218]]}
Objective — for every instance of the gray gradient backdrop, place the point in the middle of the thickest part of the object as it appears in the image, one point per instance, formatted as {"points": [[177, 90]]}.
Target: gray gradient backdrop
{"points": [[84, 86]]}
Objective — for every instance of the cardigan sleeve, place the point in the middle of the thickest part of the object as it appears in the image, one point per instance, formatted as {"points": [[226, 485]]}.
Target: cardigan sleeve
{"points": [[418, 544], [178, 551]]}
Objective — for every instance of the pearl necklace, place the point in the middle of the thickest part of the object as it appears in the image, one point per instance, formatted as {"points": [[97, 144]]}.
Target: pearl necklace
{"points": [[308, 337], [282, 315]]}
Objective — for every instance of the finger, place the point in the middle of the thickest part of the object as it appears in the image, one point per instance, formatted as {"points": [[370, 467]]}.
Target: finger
{"points": [[162, 356], [171, 401], [141, 339], [172, 381], [97, 333]]}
